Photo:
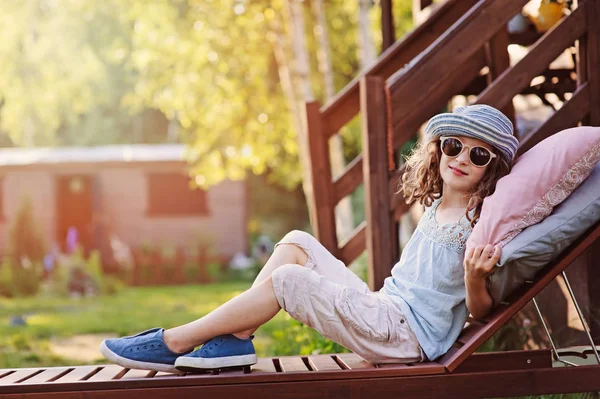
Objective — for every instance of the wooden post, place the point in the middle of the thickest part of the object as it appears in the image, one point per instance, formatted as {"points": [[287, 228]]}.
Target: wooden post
{"points": [[322, 207], [592, 70], [582, 62], [388, 32], [593, 59], [498, 60], [382, 242]]}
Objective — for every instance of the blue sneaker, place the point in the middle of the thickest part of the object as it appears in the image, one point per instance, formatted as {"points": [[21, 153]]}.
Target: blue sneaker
{"points": [[220, 352], [146, 350]]}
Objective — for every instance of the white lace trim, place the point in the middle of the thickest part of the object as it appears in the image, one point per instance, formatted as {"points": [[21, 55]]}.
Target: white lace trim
{"points": [[451, 235]]}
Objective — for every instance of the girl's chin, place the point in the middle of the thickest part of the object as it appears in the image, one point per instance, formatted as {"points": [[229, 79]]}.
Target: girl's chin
{"points": [[458, 183]]}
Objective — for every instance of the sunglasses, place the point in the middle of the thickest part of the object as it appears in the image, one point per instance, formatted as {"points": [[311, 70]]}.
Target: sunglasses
{"points": [[479, 156]]}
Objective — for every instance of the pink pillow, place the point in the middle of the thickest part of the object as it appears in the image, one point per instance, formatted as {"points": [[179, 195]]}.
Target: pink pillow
{"points": [[541, 179]]}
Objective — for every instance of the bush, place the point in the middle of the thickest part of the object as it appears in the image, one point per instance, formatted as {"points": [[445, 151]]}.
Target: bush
{"points": [[19, 280], [25, 240], [21, 272], [75, 274]]}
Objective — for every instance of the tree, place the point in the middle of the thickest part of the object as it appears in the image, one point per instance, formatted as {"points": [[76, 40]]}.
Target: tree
{"points": [[219, 74], [344, 216]]}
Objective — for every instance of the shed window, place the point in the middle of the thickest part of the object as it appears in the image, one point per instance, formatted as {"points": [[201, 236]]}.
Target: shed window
{"points": [[169, 194]]}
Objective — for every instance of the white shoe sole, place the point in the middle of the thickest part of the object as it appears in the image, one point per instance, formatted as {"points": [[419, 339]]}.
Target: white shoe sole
{"points": [[134, 364], [196, 363]]}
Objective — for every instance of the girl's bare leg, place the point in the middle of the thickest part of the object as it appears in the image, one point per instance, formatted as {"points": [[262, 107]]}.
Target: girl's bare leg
{"points": [[241, 315]]}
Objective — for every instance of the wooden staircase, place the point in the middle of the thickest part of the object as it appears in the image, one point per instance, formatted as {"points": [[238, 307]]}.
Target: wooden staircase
{"points": [[460, 50]]}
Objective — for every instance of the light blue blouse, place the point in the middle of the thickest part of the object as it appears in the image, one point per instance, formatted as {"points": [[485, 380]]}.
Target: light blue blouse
{"points": [[428, 282]]}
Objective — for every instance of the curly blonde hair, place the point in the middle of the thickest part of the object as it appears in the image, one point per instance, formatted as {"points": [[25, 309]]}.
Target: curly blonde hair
{"points": [[422, 181]]}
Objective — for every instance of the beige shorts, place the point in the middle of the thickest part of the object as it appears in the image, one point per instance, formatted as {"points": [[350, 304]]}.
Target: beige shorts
{"points": [[327, 296]]}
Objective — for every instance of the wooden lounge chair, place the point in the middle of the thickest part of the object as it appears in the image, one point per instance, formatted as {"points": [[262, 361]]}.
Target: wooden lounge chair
{"points": [[459, 373]]}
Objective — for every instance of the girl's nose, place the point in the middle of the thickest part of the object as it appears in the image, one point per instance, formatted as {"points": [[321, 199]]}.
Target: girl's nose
{"points": [[463, 157]]}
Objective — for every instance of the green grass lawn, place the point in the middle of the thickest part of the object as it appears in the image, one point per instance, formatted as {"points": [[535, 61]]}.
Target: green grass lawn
{"points": [[131, 311]]}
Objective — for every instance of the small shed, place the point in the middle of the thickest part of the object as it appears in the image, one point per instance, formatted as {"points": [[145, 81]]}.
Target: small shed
{"points": [[140, 194]]}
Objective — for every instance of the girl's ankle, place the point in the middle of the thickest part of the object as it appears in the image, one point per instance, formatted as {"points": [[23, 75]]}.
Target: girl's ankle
{"points": [[173, 344], [242, 335]]}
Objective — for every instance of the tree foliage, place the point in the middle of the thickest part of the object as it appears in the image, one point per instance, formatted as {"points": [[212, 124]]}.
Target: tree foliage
{"points": [[97, 72]]}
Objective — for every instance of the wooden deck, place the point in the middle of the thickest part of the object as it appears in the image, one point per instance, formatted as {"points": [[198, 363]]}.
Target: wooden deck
{"points": [[327, 376]]}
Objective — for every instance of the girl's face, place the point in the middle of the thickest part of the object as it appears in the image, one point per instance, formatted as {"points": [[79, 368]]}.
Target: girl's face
{"points": [[458, 173]]}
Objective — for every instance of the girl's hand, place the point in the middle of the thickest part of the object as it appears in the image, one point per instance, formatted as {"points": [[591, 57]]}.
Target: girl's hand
{"points": [[480, 262]]}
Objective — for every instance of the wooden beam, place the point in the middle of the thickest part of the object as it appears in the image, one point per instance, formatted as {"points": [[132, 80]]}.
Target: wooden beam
{"points": [[322, 213], [593, 59], [498, 62], [388, 31], [348, 180], [554, 42], [346, 104], [412, 86], [509, 361], [571, 113], [382, 243], [354, 245]]}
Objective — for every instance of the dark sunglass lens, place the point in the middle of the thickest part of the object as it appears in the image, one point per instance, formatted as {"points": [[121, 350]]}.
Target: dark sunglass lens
{"points": [[452, 147], [480, 156]]}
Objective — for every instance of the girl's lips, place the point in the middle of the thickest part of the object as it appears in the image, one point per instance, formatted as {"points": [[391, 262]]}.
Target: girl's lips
{"points": [[457, 172]]}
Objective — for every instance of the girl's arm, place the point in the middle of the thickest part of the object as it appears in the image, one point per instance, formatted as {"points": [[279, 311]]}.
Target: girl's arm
{"points": [[479, 264]]}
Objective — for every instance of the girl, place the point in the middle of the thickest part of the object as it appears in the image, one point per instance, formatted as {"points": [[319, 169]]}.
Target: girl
{"points": [[423, 305]]}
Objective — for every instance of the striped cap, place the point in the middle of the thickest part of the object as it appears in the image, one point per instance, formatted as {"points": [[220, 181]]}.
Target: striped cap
{"points": [[478, 121]]}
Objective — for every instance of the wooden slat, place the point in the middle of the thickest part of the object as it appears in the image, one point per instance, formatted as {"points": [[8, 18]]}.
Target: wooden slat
{"points": [[352, 361], [19, 375], [162, 374], [412, 86], [382, 240], [264, 365], [77, 374], [550, 46], [572, 112], [565, 84], [134, 373], [322, 212], [49, 374], [292, 364], [323, 363], [348, 180], [107, 373], [408, 369], [346, 104], [353, 246], [518, 300]]}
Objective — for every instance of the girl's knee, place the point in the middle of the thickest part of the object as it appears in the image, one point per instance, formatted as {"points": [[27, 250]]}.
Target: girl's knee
{"points": [[300, 237], [298, 242]]}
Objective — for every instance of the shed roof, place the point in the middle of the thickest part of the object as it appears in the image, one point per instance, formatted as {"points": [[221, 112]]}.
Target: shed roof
{"points": [[109, 153]]}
